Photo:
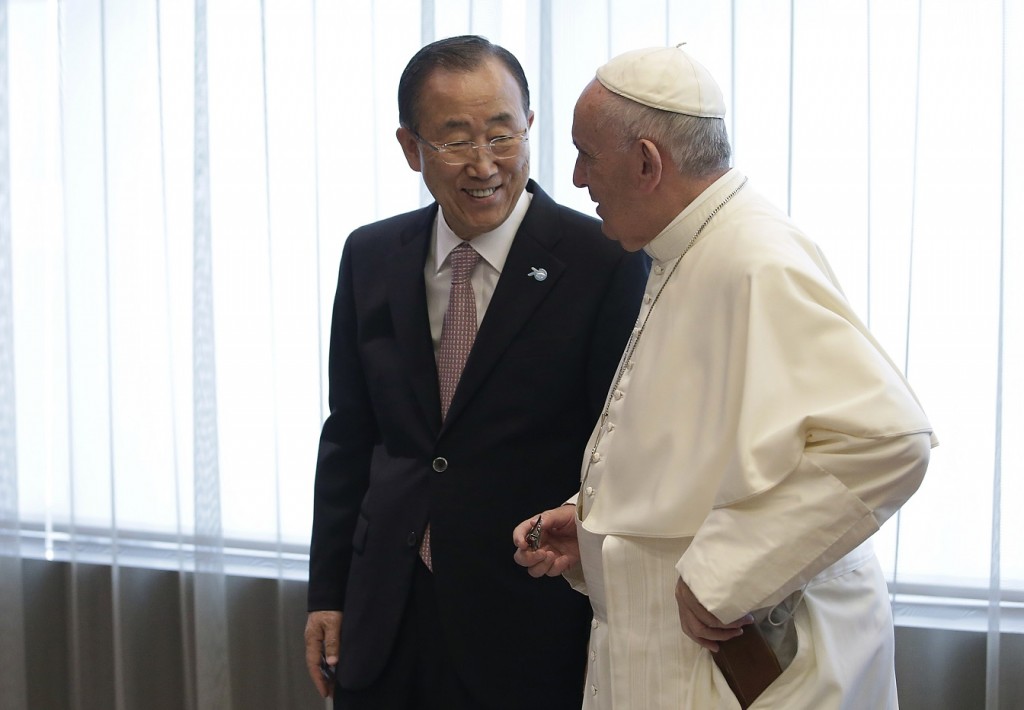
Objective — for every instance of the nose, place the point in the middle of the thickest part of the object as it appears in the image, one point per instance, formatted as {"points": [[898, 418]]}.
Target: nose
{"points": [[579, 174], [483, 163]]}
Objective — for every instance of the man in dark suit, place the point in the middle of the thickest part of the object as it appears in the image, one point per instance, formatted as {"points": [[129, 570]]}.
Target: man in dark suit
{"points": [[417, 486]]}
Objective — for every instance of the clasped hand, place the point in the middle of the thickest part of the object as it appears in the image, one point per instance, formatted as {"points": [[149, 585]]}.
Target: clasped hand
{"points": [[558, 550]]}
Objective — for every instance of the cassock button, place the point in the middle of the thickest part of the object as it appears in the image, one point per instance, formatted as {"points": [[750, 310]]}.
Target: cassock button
{"points": [[411, 540], [648, 298], [590, 490], [440, 464], [659, 269], [617, 394], [594, 624], [595, 457]]}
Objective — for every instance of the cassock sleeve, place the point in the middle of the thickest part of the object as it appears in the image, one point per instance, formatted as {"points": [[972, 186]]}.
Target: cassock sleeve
{"points": [[754, 553], [830, 440], [574, 575]]}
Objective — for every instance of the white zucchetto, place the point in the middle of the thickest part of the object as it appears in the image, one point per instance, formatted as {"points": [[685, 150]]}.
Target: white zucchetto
{"points": [[665, 78]]}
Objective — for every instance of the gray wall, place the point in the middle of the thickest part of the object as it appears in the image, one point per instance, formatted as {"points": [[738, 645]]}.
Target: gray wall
{"points": [[936, 669]]}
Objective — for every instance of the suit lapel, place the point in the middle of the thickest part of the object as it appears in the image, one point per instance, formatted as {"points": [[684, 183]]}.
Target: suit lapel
{"points": [[516, 296], [408, 299]]}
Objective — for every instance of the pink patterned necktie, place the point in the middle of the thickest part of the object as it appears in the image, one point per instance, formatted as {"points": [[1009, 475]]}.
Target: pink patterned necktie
{"points": [[457, 335], [459, 329]]}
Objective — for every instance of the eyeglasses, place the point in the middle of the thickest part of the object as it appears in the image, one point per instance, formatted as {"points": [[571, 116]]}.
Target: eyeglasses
{"points": [[462, 152]]}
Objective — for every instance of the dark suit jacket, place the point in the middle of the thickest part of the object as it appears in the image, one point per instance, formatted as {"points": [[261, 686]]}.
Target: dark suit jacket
{"points": [[513, 441]]}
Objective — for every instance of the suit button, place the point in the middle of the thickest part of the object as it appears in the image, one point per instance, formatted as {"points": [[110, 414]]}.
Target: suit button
{"points": [[440, 464], [411, 540]]}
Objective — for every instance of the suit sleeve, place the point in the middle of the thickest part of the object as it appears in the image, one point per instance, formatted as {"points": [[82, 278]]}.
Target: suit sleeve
{"points": [[346, 448]]}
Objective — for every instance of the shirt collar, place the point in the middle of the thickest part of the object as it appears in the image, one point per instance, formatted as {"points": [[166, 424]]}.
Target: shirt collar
{"points": [[672, 240], [493, 246]]}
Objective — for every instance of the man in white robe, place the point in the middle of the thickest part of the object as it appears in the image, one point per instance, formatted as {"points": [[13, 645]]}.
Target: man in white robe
{"points": [[754, 439]]}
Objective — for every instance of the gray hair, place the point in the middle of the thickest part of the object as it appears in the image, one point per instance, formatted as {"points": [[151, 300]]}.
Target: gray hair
{"points": [[698, 146]]}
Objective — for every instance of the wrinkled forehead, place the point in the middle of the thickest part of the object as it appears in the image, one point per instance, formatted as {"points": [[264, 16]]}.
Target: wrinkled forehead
{"points": [[590, 117]]}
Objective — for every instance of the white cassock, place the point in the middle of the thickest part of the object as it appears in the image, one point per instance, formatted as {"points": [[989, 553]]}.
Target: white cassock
{"points": [[755, 439]]}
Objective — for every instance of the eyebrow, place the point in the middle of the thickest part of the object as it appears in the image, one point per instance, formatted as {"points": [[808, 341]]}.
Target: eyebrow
{"points": [[582, 149]]}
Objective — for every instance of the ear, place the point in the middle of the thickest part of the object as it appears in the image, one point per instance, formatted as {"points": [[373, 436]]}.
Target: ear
{"points": [[411, 148], [650, 167], [529, 120]]}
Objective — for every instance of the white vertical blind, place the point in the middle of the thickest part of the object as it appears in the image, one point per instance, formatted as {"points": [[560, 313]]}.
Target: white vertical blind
{"points": [[12, 623]]}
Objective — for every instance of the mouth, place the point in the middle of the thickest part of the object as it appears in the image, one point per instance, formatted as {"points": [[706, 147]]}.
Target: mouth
{"points": [[481, 193]]}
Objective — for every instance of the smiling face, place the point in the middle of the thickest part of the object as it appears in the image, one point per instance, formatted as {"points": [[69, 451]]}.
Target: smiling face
{"points": [[477, 106], [606, 170]]}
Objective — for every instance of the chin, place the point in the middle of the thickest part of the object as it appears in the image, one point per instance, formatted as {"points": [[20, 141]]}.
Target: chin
{"points": [[627, 243], [611, 233]]}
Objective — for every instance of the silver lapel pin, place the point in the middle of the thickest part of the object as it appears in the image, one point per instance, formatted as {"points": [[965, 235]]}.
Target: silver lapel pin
{"points": [[539, 274]]}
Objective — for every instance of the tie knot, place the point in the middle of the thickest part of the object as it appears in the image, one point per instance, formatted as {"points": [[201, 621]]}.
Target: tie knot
{"points": [[463, 258]]}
